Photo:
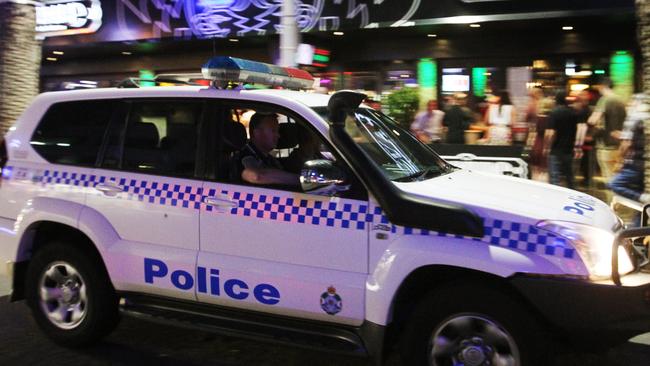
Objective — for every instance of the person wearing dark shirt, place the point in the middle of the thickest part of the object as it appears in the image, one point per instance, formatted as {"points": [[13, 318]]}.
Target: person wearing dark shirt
{"points": [[608, 117], [587, 162], [253, 163], [457, 120], [560, 136], [628, 182]]}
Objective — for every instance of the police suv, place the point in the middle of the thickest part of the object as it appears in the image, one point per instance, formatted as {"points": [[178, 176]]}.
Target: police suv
{"points": [[119, 201]]}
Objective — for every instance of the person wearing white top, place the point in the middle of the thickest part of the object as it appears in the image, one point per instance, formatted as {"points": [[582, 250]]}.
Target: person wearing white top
{"points": [[499, 118]]}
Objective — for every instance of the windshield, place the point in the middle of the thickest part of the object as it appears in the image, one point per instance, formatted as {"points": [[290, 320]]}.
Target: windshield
{"points": [[401, 156]]}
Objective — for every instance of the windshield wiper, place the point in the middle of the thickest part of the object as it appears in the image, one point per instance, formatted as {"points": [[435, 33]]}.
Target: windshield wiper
{"points": [[410, 177], [427, 173]]}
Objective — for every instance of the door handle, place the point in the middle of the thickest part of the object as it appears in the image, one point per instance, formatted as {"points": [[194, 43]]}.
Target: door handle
{"points": [[220, 202], [109, 189]]}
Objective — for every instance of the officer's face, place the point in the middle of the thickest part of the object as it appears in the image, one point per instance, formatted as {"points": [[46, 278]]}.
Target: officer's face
{"points": [[267, 135]]}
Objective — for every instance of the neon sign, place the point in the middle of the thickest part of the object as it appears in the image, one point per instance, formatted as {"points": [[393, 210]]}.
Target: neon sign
{"points": [[67, 17]]}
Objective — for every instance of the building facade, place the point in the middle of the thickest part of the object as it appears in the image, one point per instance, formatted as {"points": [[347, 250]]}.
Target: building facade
{"points": [[474, 46]]}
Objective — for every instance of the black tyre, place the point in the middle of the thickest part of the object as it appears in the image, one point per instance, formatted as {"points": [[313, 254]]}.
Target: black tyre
{"points": [[70, 296], [468, 325]]}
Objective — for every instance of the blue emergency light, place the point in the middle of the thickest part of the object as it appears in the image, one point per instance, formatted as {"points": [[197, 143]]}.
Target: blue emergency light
{"points": [[224, 69]]}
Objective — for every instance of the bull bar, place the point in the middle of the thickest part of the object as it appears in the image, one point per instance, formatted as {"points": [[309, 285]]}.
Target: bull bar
{"points": [[632, 233]]}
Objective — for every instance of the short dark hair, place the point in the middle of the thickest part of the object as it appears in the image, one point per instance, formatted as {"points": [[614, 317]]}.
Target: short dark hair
{"points": [[560, 98], [257, 119]]}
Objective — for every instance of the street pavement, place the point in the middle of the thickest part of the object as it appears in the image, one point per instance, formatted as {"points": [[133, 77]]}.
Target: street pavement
{"points": [[137, 342]]}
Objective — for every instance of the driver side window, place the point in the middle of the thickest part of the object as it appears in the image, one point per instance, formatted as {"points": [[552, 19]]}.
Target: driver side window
{"points": [[297, 143]]}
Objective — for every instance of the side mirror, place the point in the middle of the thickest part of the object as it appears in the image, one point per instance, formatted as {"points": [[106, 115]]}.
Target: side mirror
{"points": [[322, 177]]}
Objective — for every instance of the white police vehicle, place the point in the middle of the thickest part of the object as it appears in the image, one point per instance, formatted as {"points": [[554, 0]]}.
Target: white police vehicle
{"points": [[120, 200]]}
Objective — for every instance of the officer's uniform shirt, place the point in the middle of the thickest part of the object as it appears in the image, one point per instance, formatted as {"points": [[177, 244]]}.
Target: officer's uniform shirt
{"points": [[249, 157]]}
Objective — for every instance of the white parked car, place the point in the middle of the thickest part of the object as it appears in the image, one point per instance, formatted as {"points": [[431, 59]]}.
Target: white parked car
{"points": [[120, 200]]}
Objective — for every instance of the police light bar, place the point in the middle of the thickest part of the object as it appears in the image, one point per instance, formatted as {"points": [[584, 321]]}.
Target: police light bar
{"points": [[224, 69]]}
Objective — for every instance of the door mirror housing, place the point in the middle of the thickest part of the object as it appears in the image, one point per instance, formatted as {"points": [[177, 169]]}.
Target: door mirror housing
{"points": [[322, 177]]}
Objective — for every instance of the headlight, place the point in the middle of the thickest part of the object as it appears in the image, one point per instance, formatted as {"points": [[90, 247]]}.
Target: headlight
{"points": [[594, 246]]}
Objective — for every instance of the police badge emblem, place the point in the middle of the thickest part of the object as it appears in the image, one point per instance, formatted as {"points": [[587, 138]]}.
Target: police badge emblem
{"points": [[330, 301]]}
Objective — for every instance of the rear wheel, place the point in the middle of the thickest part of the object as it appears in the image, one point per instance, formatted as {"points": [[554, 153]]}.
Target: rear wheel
{"points": [[70, 296], [468, 325]]}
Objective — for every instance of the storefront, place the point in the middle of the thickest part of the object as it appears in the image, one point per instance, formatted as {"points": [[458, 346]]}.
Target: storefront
{"points": [[471, 46]]}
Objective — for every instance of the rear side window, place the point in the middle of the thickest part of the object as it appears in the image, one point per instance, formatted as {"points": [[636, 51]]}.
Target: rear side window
{"points": [[160, 138], [72, 132]]}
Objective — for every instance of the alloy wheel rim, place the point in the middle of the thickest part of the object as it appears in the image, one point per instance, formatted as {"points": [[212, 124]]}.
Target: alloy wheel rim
{"points": [[472, 340], [62, 295]]}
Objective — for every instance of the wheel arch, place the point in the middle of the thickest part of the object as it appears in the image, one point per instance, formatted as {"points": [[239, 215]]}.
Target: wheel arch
{"points": [[86, 229], [424, 280]]}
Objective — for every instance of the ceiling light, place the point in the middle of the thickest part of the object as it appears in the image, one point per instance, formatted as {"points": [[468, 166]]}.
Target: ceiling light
{"points": [[432, 35], [233, 39], [567, 28], [126, 53], [57, 52], [475, 25], [338, 33], [51, 58]]}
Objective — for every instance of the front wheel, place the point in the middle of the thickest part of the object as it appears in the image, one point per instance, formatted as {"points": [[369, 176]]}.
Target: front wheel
{"points": [[70, 295], [472, 326]]}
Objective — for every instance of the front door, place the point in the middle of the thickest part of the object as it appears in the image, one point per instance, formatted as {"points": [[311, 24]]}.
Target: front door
{"points": [[278, 250]]}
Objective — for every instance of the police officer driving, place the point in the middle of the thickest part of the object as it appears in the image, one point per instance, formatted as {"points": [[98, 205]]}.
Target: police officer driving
{"points": [[254, 164]]}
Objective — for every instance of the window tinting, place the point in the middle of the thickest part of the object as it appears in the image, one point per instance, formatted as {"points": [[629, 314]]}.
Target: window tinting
{"points": [[160, 138], [72, 132]]}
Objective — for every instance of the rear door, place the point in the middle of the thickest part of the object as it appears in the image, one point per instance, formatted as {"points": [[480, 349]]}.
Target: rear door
{"points": [[60, 158], [146, 187]]}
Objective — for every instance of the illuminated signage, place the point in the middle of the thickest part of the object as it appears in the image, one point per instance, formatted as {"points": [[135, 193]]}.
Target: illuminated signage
{"points": [[185, 19], [455, 83], [479, 81], [66, 17], [307, 54], [621, 70]]}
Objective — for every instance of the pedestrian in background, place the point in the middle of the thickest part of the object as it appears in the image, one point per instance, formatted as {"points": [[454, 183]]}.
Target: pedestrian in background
{"points": [[499, 118], [536, 120], [587, 162], [629, 181], [608, 117], [560, 139], [427, 125], [457, 119]]}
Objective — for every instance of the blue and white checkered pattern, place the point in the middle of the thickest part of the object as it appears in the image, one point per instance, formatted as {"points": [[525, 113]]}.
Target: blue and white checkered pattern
{"points": [[508, 234], [69, 178], [173, 195], [313, 211], [316, 211]]}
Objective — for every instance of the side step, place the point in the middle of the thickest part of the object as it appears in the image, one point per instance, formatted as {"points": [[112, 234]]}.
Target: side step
{"points": [[245, 324]]}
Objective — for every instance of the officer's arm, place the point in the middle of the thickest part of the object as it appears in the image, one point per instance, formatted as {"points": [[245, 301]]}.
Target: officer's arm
{"points": [[269, 176], [255, 173]]}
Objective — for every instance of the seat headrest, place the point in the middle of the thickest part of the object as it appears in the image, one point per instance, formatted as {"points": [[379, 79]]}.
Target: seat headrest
{"points": [[289, 136], [234, 135], [143, 135]]}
